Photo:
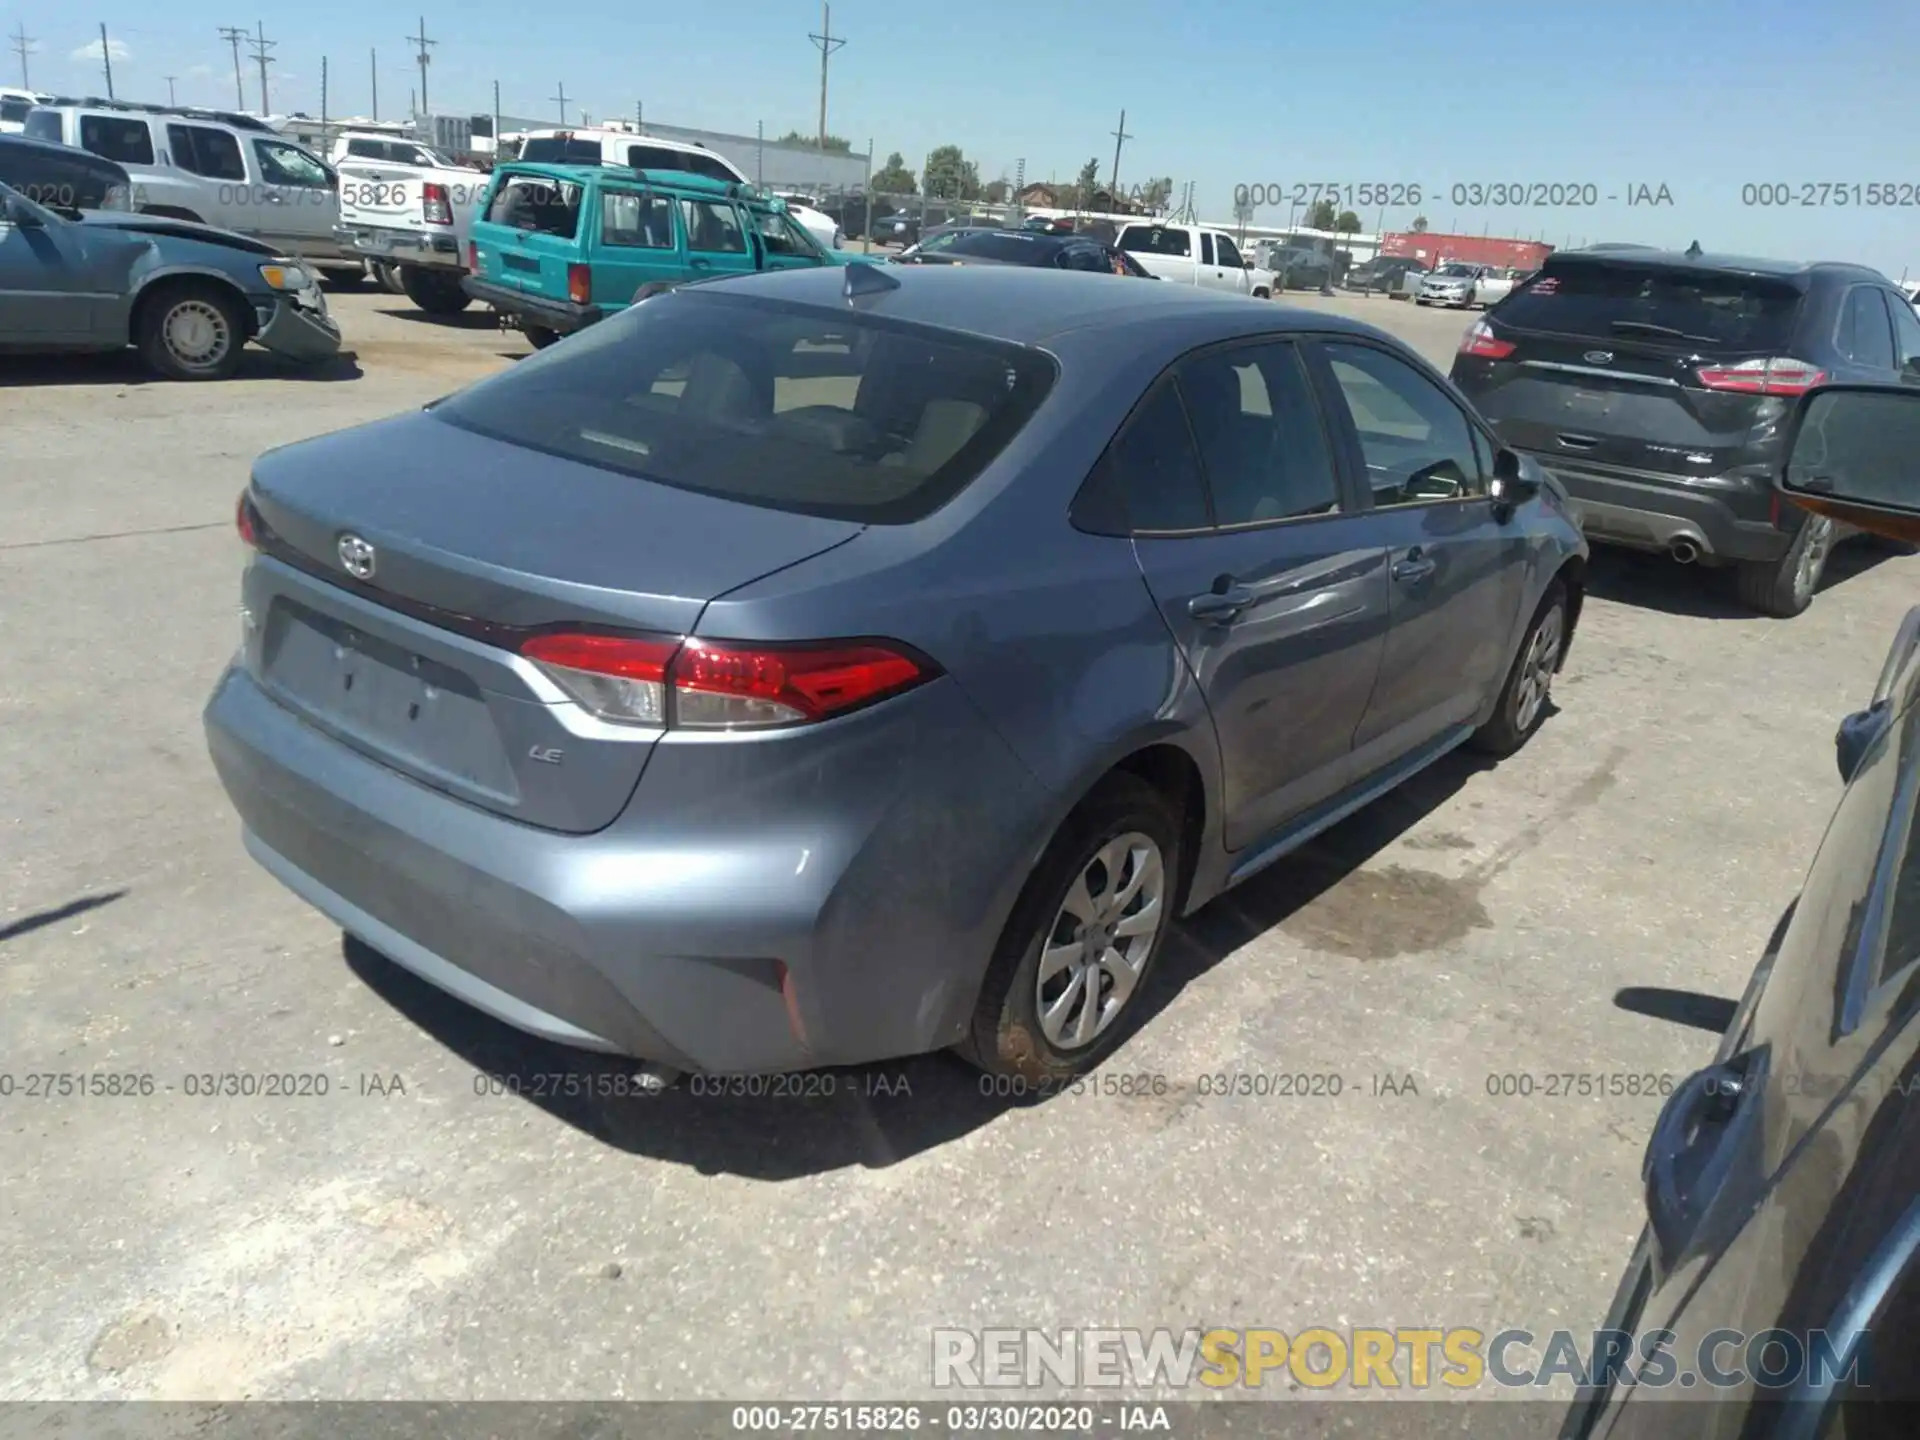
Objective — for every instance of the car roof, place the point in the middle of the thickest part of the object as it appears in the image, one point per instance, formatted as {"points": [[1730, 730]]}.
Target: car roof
{"points": [[1804, 270], [663, 179], [1029, 306]]}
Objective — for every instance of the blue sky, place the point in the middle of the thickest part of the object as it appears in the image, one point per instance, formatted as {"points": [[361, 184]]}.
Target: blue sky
{"points": [[1701, 96]]}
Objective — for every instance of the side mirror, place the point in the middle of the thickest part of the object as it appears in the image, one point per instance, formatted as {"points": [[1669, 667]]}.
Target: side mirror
{"points": [[1510, 484], [1853, 454], [21, 215]]}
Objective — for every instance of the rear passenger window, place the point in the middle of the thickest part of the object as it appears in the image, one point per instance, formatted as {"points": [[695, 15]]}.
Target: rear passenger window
{"points": [[1262, 446], [640, 221], [202, 150], [713, 228], [114, 138], [1864, 333], [1154, 465], [1418, 446]]}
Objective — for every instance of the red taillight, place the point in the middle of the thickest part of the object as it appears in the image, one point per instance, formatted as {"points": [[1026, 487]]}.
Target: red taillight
{"points": [[473, 257], [435, 204], [715, 685], [1776, 375], [580, 284], [1481, 341], [243, 521]]}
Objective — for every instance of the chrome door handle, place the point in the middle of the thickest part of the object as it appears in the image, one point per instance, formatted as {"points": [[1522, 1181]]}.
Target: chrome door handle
{"points": [[1220, 606], [1412, 567]]}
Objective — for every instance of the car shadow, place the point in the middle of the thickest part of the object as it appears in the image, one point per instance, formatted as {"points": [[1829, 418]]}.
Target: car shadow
{"points": [[874, 1116], [476, 318], [125, 368], [1656, 582]]}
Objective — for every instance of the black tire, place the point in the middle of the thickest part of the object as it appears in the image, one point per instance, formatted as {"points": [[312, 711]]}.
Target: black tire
{"points": [[1525, 697], [437, 292], [387, 277], [192, 330], [1260, 292], [1008, 1036], [539, 336], [344, 279], [1785, 587]]}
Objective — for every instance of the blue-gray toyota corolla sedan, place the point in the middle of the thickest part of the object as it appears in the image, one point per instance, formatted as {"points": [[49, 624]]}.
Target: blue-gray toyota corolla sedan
{"points": [[824, 666]]}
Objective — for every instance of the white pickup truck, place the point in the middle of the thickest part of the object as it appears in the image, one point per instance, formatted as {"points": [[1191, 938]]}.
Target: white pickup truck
{"points": [[1194, 255], [409, 211]]}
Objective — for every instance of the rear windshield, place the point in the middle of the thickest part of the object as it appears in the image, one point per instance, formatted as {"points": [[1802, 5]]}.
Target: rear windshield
{"points": [[15, 110], [533, 202], [553, 150], [1151, 240], [1002, 245], [1738, 312], [43, 125], [822, 413], [690, 162]]}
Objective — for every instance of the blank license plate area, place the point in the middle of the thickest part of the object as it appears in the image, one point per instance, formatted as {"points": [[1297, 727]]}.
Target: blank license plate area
{"points": [[385, 699], [524, 263]]}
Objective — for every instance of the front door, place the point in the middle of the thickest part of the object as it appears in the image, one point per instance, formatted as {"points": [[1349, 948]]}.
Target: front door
{"points": [[635, 245], [1455, 567], [1230, 268], [716, 238], [62, 283], [786, 243], [1264, 570], [299, 204]]}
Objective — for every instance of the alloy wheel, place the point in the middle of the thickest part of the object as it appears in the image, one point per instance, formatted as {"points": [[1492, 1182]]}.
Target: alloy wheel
{"points": [[1096, 949], [1535, 680]]}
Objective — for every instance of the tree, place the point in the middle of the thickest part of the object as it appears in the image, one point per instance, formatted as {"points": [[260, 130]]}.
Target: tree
{"points": [[1156, 195], [998, 191], [1087, 182], [1348, 223], [1419, 224], [893, 178], [951, 176], [1321, 216], [834, 143]]}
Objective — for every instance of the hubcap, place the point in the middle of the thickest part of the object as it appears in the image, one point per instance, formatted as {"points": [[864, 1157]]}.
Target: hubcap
{"points": [[196, 333], [1098, 944], [1813, 555], [1536, 670]]}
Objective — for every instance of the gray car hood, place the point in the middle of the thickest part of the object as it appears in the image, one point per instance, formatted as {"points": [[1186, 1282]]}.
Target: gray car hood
{"points": [[179, 229]]}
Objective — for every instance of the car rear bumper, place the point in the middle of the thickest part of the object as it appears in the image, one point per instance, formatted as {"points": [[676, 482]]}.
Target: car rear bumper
{"points": [[1725, 517], [402, 247], [562, 317], [296, 333], [743, 915]]}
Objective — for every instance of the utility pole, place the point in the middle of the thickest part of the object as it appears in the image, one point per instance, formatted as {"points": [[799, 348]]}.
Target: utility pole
{"points": [[261, 45], [106, 59], [423, 43], [562, 98], [827, 42], [324, 137], [373, 74], [1120, 137], [233, 35], [23, 47], [498, 155], [170, 97], [760, 153], [639, 115]]}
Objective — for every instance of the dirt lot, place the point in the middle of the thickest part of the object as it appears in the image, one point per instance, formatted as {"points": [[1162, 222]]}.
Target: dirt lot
{"points": [[410, 1235]]}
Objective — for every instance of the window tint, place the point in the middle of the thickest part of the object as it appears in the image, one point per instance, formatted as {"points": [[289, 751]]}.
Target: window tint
{"points": [[532, 202], [1206, 247], [1228, 254], [15, 111], [553, 150], [1084, 257], [1906, 331], [115, 138], [1262, 444], [642, 221], [202, 150], [1655, 304], [1156, 470], [1418, 445], [1009, 245], [838, 415], [1864, 333], [660, 157], [712, 227], [289, 165], [365, 149], [44, 125], [1156, 240]]}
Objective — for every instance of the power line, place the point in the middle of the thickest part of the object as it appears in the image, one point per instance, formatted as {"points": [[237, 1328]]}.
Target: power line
{"points": [[424, 58], [23, 47], [233, 35], [261, 45], [827, 42], [562, 98]]}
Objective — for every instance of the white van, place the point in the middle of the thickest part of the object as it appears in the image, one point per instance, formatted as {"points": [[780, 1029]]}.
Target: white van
{"points": [[14, 107], [216, 167], [614, 145]]}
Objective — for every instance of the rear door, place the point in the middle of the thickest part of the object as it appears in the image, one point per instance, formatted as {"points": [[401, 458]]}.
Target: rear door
{"points": [[716, 238], [1639, 366], [1265, 569], [636, 243], [1455, 569], [214, 155]]}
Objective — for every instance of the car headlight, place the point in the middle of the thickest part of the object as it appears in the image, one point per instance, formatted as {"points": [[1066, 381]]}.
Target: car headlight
{"points": [[118, 197], [287, 275]]}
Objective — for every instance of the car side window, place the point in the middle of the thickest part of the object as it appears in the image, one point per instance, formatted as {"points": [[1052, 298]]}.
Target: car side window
{"points": [[1906, 331], [1229, 255], [1206, 247], [642, 222], [202, 150], [1865, 335], [1482, 452], [1263, 447], [1418, 445], [1153, 466], [713, 227], [117, 138], [1082, 256], [289, 165]]}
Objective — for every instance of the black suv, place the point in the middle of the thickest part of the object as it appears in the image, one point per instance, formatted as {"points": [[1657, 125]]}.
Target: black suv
{"points": [[62, 178], [1654, 385]]}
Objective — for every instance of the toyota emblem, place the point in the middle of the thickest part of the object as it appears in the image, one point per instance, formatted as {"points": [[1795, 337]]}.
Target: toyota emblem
{"points": [[357, 556], [1598, 357]]}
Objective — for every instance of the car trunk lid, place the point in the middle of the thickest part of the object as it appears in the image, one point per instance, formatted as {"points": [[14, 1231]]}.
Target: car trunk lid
{"points": [[527, 237], [407, 562]]}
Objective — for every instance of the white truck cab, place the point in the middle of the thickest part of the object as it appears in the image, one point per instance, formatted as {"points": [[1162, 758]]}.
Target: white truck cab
{"points": [[1194, 255], [408, 210]]}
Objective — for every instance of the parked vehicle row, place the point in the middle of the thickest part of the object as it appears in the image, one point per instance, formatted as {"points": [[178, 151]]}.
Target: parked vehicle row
{"points": [[1194, 255], [1025, 247], [1398, 277], [1462, 283]]}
